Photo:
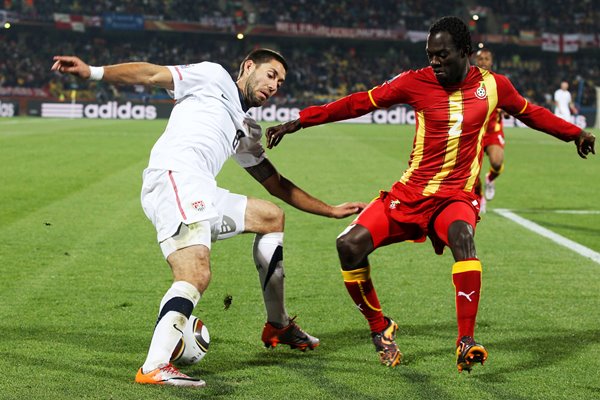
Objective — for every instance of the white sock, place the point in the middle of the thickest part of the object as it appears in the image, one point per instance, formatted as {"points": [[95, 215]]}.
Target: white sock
{"points": [[175, 309], [268, 257]]}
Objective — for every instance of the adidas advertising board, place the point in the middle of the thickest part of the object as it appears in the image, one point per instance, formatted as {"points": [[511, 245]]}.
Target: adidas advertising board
{"points": [[399, 115], [8, 109], [109, 110]]}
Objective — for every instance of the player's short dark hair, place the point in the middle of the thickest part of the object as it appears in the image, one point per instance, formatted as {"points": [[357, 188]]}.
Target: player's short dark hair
{"points": [[261, 56], [485, 50], [457, 29]]}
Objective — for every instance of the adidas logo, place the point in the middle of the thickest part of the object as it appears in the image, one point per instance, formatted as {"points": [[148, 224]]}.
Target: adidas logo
{"points": [[227, 225]]}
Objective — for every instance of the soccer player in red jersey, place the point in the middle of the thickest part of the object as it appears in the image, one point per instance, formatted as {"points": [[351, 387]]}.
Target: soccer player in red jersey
{"points": [[435, 196], [493, 139]]}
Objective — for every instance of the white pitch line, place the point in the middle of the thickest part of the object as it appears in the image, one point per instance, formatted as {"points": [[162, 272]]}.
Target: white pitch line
{"points": [[555, 237]]}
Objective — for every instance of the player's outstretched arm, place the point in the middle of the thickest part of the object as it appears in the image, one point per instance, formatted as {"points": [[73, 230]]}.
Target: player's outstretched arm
{"points": [[134, 73], [275, 133], [282, 188], [585, 143]]}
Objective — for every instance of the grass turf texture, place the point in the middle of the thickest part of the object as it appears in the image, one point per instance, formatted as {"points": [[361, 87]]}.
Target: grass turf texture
{"points": [[82, 276]]}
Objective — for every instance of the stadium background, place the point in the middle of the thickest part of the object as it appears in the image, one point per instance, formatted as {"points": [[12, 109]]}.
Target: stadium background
{"points": [[81, 272], [333, 48]]}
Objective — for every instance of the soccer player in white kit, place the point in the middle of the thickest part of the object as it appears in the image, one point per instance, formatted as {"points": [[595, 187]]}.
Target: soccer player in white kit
{"points": [[180, 195], [563, 102]]}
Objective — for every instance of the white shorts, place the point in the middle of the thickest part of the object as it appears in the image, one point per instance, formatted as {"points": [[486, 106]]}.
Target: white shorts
{"points": [[170, 199]]}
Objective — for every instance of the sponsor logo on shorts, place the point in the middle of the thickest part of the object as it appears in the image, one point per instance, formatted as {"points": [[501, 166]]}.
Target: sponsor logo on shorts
{"points": [[199, 205], [394, 204], [227, 225]]}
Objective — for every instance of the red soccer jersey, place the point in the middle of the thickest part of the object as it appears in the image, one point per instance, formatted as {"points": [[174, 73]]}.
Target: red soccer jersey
{"points": [[451, 121]]}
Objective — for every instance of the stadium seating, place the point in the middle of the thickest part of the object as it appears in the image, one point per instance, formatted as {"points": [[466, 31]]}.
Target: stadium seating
{"points": [[321, 70]]}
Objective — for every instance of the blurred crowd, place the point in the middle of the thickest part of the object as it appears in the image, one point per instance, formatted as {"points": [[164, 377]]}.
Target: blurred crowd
{"points": [[381, 14], [567, 16], [321, 70], [179, 10]]}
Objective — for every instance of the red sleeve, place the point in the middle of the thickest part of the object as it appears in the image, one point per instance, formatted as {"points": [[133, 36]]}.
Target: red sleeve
{"points": [[351, 106], [392, 92], [534, 116]]}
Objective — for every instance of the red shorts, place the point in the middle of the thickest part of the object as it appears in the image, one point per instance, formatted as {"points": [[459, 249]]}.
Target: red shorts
{"points": [[493, 138], [404, 214]]}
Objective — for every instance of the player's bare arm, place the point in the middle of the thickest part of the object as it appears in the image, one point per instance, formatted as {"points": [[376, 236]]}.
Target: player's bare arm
{"points": [[134, 73], [585, 143], [275, 133], [282, 188]]}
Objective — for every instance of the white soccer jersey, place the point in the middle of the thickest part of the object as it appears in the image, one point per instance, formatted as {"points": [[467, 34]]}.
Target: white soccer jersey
{"points": [[207, 124], [562, 99]]}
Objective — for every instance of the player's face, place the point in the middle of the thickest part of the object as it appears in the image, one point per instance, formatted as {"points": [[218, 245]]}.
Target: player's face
{"points": [[483, 59], [449, 64], [262, 82]]}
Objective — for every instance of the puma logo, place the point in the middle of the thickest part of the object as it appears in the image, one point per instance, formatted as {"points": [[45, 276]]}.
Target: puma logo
{"points": [[468, 296]]}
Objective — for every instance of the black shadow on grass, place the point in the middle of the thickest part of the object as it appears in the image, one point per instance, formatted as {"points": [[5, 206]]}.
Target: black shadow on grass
{"points": [[315, 365], [543, 351], [91, 342]]}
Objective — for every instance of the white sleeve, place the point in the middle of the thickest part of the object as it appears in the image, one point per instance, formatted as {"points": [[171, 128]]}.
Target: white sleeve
{"points": [[191, 78], [250, 151]]}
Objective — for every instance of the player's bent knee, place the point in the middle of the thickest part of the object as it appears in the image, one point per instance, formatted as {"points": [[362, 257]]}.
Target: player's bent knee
{"points": [[264, 217], [277, 219], [497, 165], [460, 231], [352, 247], [461, 238], [191, 264], [273, 219]]}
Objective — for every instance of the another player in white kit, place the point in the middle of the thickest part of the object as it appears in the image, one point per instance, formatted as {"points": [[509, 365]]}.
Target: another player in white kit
{"points": [[563, 103], [180, 195]]}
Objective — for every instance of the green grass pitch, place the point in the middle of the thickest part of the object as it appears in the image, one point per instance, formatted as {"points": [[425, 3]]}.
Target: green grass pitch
{"points": [[81, 274]]}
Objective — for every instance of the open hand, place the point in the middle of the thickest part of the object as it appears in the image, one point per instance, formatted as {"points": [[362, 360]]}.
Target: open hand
{"points": [[275, 133], [346, 209], [71, 65]]}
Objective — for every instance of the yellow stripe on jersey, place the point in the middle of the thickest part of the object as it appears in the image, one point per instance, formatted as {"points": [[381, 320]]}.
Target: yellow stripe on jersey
{"points": [[523, 109], [466, 266], [492, 97], [455, 111], [371, 97], [417, 155]]}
